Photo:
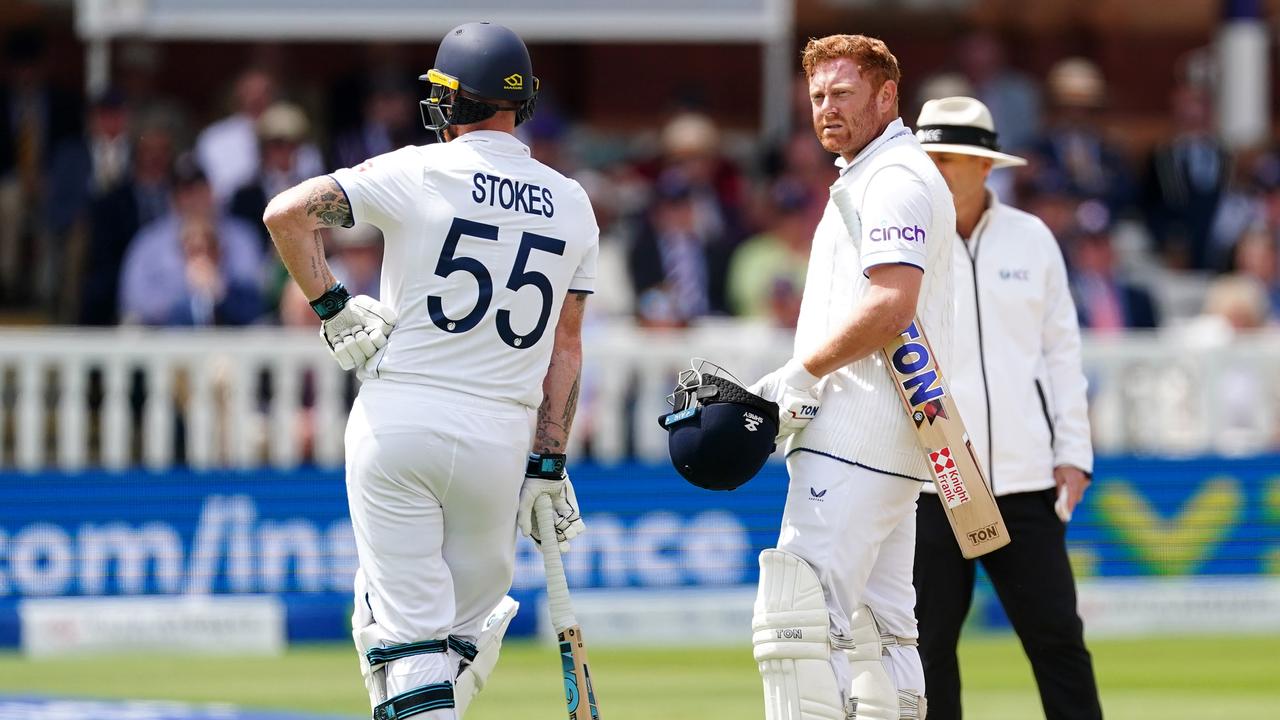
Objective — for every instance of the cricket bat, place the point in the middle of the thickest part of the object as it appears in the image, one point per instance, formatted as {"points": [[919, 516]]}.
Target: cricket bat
{"points": [[962, 489], [579, 695]]}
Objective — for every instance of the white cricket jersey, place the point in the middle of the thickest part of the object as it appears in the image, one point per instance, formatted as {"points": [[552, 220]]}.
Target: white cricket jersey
{"points": [[483, 243], [902, 212]]}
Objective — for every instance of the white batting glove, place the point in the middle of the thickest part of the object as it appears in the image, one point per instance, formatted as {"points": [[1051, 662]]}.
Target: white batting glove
{"points": [[794, 389], [358, 330], [563, 501]]}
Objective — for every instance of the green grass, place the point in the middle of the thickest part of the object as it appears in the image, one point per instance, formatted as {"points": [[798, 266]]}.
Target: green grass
{"points": [[1170, 678]]}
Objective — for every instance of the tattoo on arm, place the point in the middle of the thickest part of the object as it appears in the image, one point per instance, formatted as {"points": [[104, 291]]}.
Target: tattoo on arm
{"points": [[328, 203], [546, 437], [319, 270], [571, 404]]}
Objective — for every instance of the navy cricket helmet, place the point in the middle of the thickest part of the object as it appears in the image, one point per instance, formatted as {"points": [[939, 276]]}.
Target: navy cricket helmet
{"points": [[719, 434], [490, 64]]}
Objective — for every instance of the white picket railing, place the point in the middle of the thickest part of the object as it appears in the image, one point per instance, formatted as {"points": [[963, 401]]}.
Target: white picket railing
{"points": [[75, 397]]}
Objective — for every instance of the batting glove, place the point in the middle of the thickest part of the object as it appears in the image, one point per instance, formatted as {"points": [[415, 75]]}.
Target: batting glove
{"points": [[354, 328], [545, 474], [794, 389]]}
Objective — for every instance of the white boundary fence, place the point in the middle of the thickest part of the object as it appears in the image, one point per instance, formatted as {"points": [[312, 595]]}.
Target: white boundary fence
{"points": [[74, 397]]}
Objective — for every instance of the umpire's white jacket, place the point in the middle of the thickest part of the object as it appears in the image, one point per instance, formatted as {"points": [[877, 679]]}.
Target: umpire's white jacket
{"points": [[1015, 372]]}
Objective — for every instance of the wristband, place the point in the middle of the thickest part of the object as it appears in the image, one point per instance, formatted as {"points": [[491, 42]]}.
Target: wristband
{"points": [[547, 466], [331, 302]]}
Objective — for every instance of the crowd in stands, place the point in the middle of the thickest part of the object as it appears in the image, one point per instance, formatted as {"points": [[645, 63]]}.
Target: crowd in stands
{"points": [[115, 210]]}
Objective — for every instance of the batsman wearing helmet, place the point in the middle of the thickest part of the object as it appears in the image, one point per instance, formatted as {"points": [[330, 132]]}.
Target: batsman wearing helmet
{"points": [[470, 368], [834, 628]]}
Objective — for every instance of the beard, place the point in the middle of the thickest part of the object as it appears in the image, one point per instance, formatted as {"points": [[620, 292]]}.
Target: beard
{"points": [[859, 129]]}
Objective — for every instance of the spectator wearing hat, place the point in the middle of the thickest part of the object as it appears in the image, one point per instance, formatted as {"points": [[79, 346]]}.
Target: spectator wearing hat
{"points": [[194, 266], [1105, 301], [678, 263], [1185, 182], [228, 149], [691, 149], [1017, 350], [1074, 149], [767, 272], [282, 132]]}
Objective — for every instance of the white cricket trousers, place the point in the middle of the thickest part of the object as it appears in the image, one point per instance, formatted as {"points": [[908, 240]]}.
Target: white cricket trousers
{"points": [[857, 528], [433, 483]]}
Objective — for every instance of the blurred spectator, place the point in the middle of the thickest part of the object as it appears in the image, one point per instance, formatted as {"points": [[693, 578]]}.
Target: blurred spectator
{"points": [[691, 148], [614, 296], [809, 165], [1238, 301], [116, 216], [1255, 257], [678, 264], [83, 170], [192, 266], [228, 149], [1073, 151], [356, 258], [281, 130], [34, 118], [1185, 181], [1235, 306], [546, 134], [1012, 97], [1105, 303], [767, 272], [390, 120]]}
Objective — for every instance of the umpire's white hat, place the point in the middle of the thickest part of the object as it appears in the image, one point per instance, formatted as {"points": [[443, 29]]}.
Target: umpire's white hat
{"points": [[961, 125]]}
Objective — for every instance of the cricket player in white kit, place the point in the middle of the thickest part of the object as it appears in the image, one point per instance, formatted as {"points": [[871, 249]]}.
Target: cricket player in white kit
{"points": [[470, 368], [834, 628]]}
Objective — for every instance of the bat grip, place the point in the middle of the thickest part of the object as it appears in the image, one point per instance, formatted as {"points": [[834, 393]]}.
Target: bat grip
{"points": [[557, 586]]}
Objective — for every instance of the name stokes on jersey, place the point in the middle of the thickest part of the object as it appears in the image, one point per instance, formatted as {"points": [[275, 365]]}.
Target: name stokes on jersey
{"points": [[508, 194]]}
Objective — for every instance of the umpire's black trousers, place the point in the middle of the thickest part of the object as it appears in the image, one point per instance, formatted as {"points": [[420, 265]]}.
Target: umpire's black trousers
{"points": [[1033, 579]]}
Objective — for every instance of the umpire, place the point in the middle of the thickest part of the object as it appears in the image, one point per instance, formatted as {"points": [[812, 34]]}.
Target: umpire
{"points": [[1017, 382]]}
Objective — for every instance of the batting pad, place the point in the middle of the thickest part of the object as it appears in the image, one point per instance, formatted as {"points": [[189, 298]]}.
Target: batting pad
{"points": [[790, 635], [473, 677], [872, 692]]}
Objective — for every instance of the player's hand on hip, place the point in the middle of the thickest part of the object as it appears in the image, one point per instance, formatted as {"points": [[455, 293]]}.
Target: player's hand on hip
{"points": [[795, 390], [545, 474], [357, 331]]}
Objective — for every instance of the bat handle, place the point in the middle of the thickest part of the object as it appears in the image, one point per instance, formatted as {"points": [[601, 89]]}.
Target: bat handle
{"points": [[557, 586]]}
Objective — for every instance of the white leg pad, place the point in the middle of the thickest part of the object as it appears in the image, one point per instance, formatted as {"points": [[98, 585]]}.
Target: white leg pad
{"points": [[367, 636], [791, 639], [471, 680], [872, 692]]}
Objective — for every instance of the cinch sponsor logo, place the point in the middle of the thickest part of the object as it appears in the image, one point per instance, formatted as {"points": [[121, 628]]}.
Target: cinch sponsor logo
{"points": [[913, 233], [982, 535], [912, 360]]}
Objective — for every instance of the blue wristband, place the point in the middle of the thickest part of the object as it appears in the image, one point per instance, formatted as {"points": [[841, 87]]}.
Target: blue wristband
{"points": [[547, 466], [331, 302]]}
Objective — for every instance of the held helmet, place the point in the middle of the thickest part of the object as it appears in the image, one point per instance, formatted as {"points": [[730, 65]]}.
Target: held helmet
{"points": [[488, 62], [719, 434]]}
